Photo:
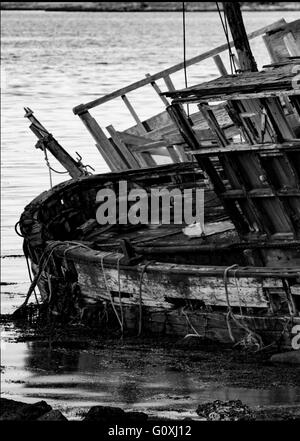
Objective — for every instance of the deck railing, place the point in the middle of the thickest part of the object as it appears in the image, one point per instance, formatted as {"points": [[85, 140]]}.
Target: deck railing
{"points": [[135, 147]]}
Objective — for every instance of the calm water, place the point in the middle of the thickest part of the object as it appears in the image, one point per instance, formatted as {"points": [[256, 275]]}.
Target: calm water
{"points": [[52, 62]]}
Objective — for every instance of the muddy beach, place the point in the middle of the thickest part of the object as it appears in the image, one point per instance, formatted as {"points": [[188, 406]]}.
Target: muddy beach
{"points": [[74, 369]]}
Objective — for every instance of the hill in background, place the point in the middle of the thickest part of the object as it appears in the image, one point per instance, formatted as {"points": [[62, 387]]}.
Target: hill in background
{"points": [[141, 6]]}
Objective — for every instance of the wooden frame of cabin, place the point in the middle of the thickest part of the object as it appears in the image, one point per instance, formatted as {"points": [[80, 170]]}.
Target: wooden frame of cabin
{"points": [[158, 136]]}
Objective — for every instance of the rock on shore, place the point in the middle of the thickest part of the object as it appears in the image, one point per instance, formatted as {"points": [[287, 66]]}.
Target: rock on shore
{"points": [[11, 410]]}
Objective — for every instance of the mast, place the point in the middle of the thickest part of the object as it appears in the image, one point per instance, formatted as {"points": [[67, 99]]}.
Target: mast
{"points": [[234, 17]]}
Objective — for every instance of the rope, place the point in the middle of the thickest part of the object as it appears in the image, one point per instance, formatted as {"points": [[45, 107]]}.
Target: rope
{"points": [[42, 265], [108, 291], [51, 168], [238, 290], [119, 291], [252, 337], [140, 297], [225, 29], [184, 51], [48, 165], [196, 333], [30, 277]]}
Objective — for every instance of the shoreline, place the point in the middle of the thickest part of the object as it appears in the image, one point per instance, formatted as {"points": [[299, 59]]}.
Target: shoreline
{"points": [[140, 7], [138, 10]]}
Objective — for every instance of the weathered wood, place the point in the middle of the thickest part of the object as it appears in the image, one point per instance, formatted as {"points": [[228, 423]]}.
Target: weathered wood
{"points": [[173, 69], [275, 40], [239, 35], [50, 143], [47, 141], [169, 83], [291, 45], [131, 161], [279, 79], [220, 65], [133, 114], [157, 286], [158, 91], [270, 49], [239, 96], [205, 163], [113, 159], [173, 154], [278, 119], [267, 147]]}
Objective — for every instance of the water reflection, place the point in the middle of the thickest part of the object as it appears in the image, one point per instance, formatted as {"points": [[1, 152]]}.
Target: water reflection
{"points": [[73, 379]]}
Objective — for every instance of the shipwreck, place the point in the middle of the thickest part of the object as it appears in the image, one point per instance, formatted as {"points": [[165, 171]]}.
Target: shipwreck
{"points": [[237, 279]]}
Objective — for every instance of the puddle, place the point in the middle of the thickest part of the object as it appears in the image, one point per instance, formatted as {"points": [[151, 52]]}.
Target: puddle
{"points": [[72, 380]]}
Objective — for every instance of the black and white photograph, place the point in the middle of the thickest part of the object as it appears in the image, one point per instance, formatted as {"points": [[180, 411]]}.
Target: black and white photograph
{"points": [[150, 216]]}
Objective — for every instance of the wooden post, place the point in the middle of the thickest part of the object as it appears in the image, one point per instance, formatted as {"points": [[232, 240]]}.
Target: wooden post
{"points": [[233, 13], [188, 134], [158, 91], [134, 114], [130, 159], [112, 158], [47, 141], [291, 45], [50, 143], [220, 65]]}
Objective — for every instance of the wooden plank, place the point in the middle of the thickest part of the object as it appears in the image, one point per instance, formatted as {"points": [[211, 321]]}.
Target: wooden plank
{"points": [[113, 159], [236, 148], [135, 139], [144, 158], [239, 96], [133, 114], [158, 91], [49, 142], [157, 286], [183, 155], [278, 119], [169, 83], [220, 65], [110, 259], [291, 45], [149, 160], [185, 128], [295, 290], [273, 56], [173, 69], [212, 122], [173, 154], [107, 158], [235, 20], [148, 147], [131, 161], [236, 62]]}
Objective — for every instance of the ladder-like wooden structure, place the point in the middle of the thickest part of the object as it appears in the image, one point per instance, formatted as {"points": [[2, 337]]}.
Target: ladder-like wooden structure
{"points": [[139, 145], [260, 186]]}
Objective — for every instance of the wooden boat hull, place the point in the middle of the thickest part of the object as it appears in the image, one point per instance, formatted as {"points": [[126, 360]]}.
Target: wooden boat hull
{"points": [[234, 306], [82, 282]]}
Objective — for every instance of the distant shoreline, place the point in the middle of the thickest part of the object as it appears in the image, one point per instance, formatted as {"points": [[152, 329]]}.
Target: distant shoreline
{"points": [[139, 10], [140, 6]]}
